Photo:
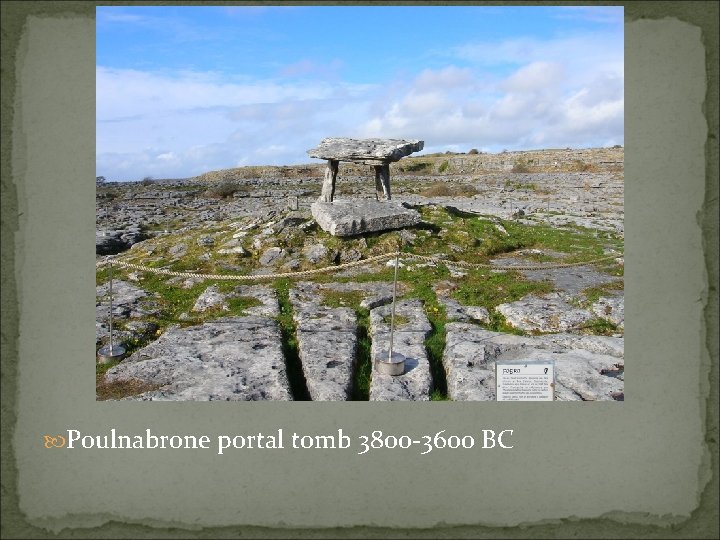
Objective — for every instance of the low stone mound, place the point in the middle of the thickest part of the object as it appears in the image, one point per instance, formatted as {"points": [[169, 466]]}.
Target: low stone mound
{"points": [[354, 217]]}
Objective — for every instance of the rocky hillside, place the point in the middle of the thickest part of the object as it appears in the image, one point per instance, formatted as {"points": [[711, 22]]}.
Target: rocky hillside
{"points": [[584, 160], [273, 333]]}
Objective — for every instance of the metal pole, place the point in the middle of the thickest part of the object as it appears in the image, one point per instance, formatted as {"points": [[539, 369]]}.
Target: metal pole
{"points": [[107, 354], [392, 313], [111, 307]]}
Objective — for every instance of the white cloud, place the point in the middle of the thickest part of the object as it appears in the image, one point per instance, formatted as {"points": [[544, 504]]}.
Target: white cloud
{"points": [[177, 125], [563, 92], [555, 93], [535, 77]]}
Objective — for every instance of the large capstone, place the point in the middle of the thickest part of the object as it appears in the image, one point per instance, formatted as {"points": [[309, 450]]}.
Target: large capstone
{"points": [[353, 217], [381, 150]]}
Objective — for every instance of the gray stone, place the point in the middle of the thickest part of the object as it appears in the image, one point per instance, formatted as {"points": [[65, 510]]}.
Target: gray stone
{"points": [[584, 369], [407, 237], [315, 253], [237, 250], [264, 293], [291, 265], [373, 150], [456, 311], [189, 283], [409, 340], [376, 301], [178, 250], [350, 255], [128, 301], [549, 313], [444, 287], [206, 241], [477, 313], [271, 256], [611, 308], [231, 359], [453, 309], [352, 217], [211, 298]]}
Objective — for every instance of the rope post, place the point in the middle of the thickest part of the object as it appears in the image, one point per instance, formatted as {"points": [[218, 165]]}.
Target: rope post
{"points": [[392, 311], [112, 352], [394, 362]]}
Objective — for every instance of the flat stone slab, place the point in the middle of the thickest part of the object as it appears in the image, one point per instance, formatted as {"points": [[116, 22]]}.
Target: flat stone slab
{"points": [[380, 150], [548, 313], [409, 339], [568, 280], [228, 359], [457, 312], [353, 217], [587, 368], [264, 294], [327, 344], [376, 293]]}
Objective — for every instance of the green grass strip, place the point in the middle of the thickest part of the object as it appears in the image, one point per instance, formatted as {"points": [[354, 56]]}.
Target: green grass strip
{"points": [[291, 351]]}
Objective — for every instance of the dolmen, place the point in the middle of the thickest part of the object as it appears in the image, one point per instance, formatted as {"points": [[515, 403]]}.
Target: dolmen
{"points": [[355, 216]]}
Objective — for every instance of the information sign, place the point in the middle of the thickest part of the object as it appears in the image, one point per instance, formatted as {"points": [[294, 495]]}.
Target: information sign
{"points": [[525, 381]]}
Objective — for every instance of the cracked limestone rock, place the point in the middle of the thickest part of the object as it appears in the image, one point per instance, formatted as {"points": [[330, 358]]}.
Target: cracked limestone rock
{"points": [[411, 329], [587, 368], [211, 298], [229, 359], [548, 313], [327, 344]]}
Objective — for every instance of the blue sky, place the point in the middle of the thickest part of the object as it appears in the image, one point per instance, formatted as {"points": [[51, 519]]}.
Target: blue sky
{"points": [[183, 90]]}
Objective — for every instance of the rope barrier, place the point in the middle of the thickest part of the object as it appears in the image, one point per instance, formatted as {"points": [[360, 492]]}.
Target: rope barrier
{"points": [[337, 268]]}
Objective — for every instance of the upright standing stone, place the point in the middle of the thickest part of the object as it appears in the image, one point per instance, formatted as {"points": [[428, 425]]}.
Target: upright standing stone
{"points": [[328, 188], [382, 182]]}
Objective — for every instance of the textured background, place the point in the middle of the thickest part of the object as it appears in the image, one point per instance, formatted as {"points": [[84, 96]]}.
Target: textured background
{"points": [[635, 468]]}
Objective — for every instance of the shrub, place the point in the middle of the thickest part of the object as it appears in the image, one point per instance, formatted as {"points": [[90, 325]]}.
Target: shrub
{"points": [[223, 190], [442, 189], [580, 166], [148, 180], [417, 166], [520, 167], [443, 166], [466, 190], [473, 151]]}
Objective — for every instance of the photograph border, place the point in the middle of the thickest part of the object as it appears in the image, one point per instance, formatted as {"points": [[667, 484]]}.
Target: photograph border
{"points": [[702, 524]]}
